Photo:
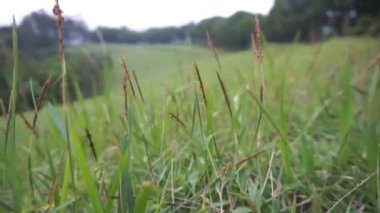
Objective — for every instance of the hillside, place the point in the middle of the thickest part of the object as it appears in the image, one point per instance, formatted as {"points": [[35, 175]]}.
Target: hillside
{"points": [[208, 142]]}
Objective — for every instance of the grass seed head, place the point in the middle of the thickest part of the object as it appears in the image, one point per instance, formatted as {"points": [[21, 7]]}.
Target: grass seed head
{"points": [[59, 23], [257, 40], [200, 83]]}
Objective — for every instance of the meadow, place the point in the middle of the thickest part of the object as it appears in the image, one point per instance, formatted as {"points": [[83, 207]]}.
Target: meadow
{"points": [[184, 128]]}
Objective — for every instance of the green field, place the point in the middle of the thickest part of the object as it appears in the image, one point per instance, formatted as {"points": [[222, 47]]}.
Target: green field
{"points": [[311, 144]]}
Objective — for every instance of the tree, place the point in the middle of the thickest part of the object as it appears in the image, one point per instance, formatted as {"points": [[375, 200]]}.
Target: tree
{"points": [[38, 31], [367, 7], [198, 34], [234, 32]]}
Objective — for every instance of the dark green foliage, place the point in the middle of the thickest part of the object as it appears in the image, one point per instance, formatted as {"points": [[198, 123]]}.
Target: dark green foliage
{"points": [[86, 69], [198, 33], [38, 60], [38, 33], [370, 7], [369, 25], [164, 35], [234, 32], [308, 17], [286, 19], [153, 35]]}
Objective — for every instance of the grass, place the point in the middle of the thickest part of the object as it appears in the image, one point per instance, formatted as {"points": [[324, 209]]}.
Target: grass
{"points": [[190, 141]]}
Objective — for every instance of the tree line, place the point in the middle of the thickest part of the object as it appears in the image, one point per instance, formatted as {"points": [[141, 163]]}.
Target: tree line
{"points": [[311, 19]]}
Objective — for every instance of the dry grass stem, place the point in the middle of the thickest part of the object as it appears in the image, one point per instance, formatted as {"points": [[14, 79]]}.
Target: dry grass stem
{"points": [[27, 123], [175, 117], [61, 49], [362, 76], [3, 108], [39, 101], [126, 72], [91, 143], [55, 183], [138, 86], [225, 94], [248, 158], [353, 189]]}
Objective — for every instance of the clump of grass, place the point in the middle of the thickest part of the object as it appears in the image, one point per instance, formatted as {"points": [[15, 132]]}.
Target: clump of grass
{"points": [[177, 156]]}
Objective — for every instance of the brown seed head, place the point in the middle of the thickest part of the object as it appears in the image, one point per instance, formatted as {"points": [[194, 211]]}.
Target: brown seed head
{"points": [[257, 40], [59, 23]]}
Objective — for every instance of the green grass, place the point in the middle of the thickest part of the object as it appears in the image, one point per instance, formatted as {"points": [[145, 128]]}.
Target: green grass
{"points": [[172, 152]]}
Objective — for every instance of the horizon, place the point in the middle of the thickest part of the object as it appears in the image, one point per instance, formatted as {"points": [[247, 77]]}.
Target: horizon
{"points": [[135, 17]]}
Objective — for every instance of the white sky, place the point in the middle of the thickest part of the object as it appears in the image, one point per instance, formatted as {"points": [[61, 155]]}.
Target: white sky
{"points": [[135, 14]]}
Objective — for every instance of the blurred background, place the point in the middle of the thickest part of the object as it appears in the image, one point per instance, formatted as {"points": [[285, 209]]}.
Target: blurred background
{"points": [[230, 23]]}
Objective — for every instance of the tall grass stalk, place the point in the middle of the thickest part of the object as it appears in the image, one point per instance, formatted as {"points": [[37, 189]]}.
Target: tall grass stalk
{"points": [[258, 52], [10, 154], [346, 111], [371, 137], [373, 150], [59, 24], [11, 123]]}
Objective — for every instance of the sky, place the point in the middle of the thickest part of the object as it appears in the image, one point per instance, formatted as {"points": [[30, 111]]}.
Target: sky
{"points": [[135, 14]]}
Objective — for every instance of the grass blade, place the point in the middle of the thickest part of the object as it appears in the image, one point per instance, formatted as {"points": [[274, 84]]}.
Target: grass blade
{"points": [[61, 49], [116, 179], [346, 109], [372, 116], [225, 94], [200, 83], [138, 86], [147, 192], [11, 158], [126, 194], [86, 172], [284, 144], [11, 124]]}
